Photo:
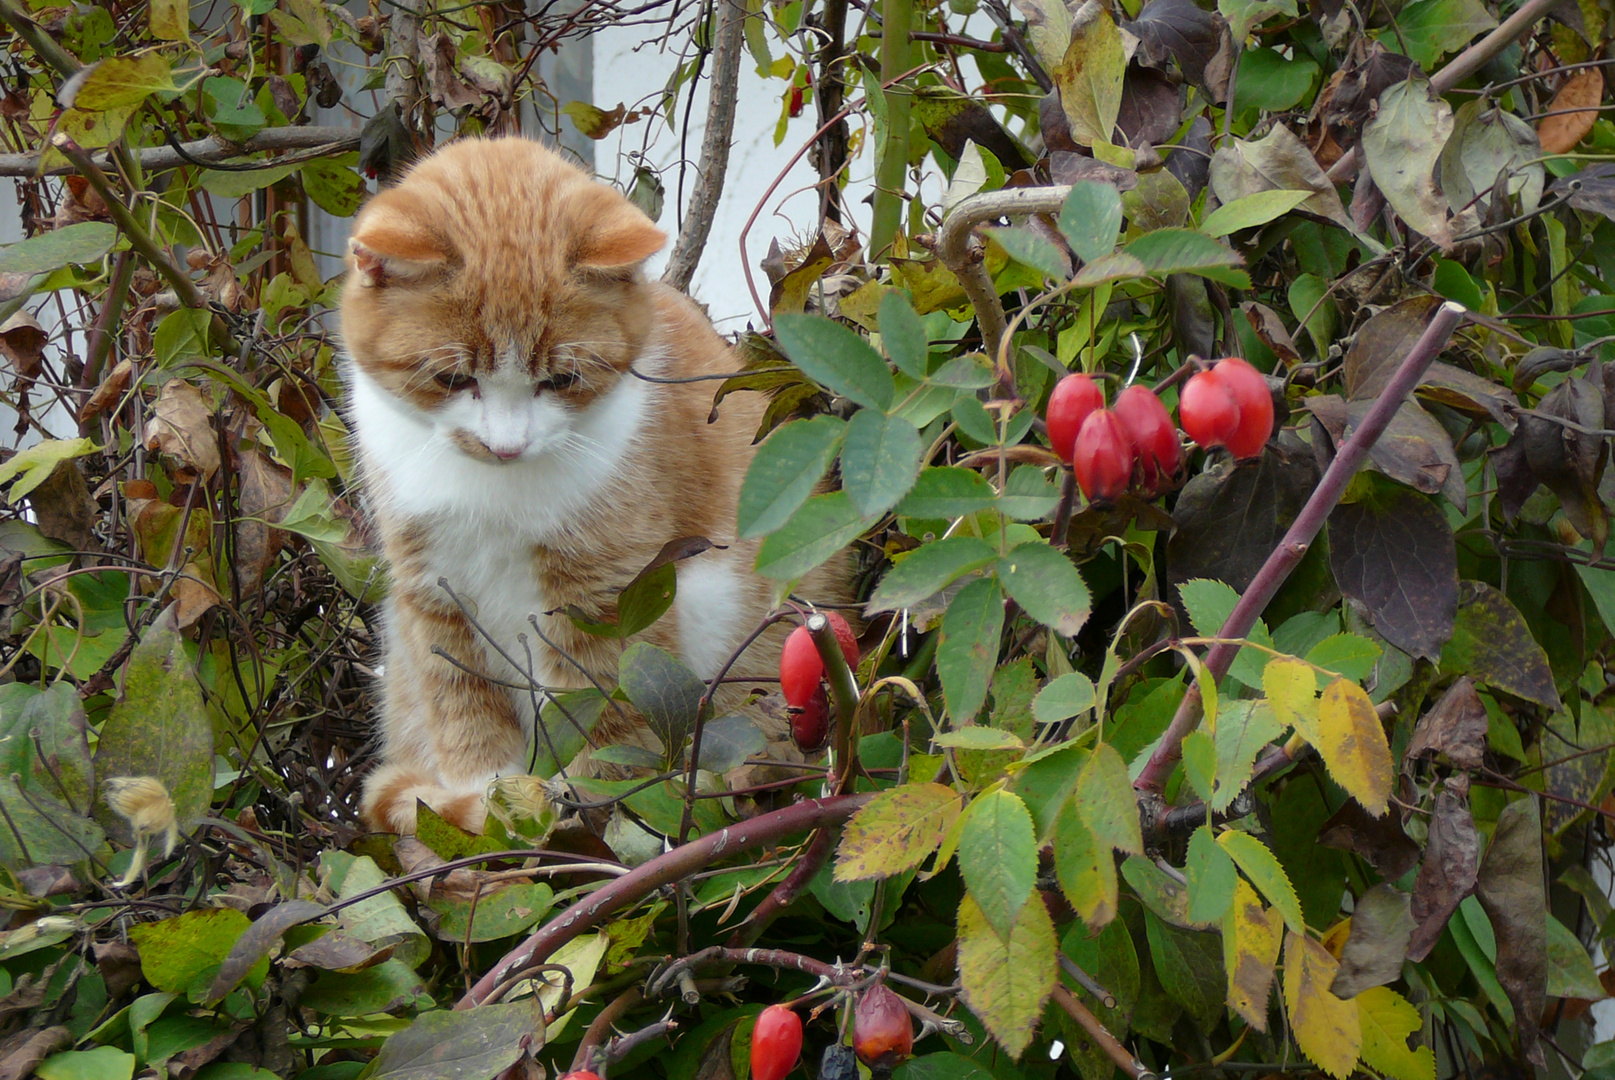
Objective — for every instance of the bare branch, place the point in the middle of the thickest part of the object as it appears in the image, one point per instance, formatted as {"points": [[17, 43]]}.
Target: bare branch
{"points": [[334, 140]]}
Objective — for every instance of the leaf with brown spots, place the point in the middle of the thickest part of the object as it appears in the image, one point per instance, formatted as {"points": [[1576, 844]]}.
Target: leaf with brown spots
{"points": [[1250, 944], [1447, 875]]}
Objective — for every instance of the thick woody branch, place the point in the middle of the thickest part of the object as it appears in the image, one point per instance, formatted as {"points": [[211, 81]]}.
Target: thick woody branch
{"points": [[843, 691], [1298, 539], [402, 84], [955, 250], [721, 98], [335, 140], [596, 908], [44, 46]]}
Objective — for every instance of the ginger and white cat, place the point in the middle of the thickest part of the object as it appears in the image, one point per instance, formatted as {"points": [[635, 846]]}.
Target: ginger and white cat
{"points": [[494, 309]]}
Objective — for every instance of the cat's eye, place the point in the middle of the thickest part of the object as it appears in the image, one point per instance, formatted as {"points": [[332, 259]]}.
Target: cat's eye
{"points": [[454, 380], [560, 380]]}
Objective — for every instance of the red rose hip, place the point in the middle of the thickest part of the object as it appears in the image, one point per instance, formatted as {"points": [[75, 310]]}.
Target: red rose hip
{"points": [[776, 1043], [882, 1033], [1208, 411], [800, 669], [1073, 399], [1103, 457], [1149, 427], [1255, 401], [844, 637], [810, 724]]}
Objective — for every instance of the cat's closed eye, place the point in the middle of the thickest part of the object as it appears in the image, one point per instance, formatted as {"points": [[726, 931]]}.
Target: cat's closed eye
{"points": [[559, 380], [455, 380]]}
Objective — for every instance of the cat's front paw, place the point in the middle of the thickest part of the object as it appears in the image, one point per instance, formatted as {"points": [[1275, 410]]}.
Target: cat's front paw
{"points": [[392, 793]]}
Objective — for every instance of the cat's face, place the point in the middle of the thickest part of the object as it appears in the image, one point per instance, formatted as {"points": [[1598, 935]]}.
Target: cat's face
{"points": [[494, 296]]}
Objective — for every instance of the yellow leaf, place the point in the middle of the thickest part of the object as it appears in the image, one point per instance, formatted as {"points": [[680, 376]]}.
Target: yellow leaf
{"points": [[1351, 740], [1326, 1028], [1260, 865], [1387, 1019], [1334, 938], [1250, 945], [896, 831], [1007, 980], [1292, 690], [1086, 871], [170, 19]]}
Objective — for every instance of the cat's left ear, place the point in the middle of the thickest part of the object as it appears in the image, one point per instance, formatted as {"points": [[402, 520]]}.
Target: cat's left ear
{"points": [[622, 236]]}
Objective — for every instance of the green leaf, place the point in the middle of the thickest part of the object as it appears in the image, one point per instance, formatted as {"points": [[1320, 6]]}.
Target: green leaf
{"points": [[927, 570], [1570, 969], [1431, 29], [1007, 977], [788, 466], [836, 358], [1091, 218], [903, 335], [998, 856], [1105, 797], [1031, 249], [118, 82], [34, 465], [1212, 877], [1262, 867], [1350, 656], [896, 831], [98, 1063], [968, 650], [1243, 729], [661, 687], [334, 188], [177, 954], [879, 460], [1047, 585], [1184, 251], [499, 914], [1209, 604], [823, 526], [1252, 210], [1085, 868], [1028, 495], [947, 491], [379, 920], [170, 19], [977, 737], [231, 108], [474, 1044], [160, 727], [1189, 965], [1274, 82], [964, 373], [86, 242], [1199, 753], [1071, 694]]}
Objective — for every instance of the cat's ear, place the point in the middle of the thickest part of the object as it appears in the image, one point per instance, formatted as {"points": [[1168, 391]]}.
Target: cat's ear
{"points": [[622, 236], [390, 246]]}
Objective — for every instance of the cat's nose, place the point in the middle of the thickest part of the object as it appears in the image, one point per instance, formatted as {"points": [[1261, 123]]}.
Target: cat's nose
{"points": [[506, 455]]}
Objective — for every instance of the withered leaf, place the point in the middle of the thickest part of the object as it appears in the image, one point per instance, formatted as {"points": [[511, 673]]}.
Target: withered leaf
{"points": [[1231, 517], [440, 59], [1069, 168], [1414, 449], [1396, 555], [1592, 189], [110, 392], [1278, 161], [181, 428], [1454, 726], [1151, 109], [1188, 35], [1511, 890], [1347, 102], [1381, 924], [63, 508], [1192, 165], [952, 119], [1382, 343], [1564, 453], [22, 342], [1271, 330], [1492, 643], [1572, 112], [1379, 841], [1447, 874]]}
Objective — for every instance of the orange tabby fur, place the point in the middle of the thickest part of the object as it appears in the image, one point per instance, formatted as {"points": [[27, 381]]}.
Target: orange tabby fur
{"points": [[493, 311]]}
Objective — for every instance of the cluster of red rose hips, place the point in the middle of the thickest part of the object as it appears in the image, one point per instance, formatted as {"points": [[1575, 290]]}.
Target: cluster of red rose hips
{"points": [[803, 684], [1226, 405], [882, 1037]]}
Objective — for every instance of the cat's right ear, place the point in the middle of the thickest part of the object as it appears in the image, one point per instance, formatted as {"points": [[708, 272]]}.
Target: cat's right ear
{"points": [[390, 247]]}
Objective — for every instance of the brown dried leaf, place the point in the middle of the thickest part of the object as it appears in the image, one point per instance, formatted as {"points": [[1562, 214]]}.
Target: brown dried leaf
{"points": [[1447, 875], [1454, 726], [1510, 888], [1381, 924], [181, 428], [109, 393], [25, 1050], [1572, 113], [63, 508], [440, 58], [1565, 455], [1379, 841], [1270, 329], [337, 951], [22, 342], [1278, 161]]}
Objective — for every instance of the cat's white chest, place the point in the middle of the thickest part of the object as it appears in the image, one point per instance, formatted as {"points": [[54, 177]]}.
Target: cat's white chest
{"points": [[490, 567]]}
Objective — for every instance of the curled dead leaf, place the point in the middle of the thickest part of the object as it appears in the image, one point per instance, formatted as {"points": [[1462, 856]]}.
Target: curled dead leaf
{"points": [[109, 393], [181, 428], [22, 342], [1572, 112]]}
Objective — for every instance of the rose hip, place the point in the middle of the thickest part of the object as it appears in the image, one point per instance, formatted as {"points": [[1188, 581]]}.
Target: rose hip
{"points": [[810, 724], [882, 1033], [776, 1043], [1103, 457], [1208, 411], [800, 669], [1255, 402], [1149, 427], [1073, 399]]}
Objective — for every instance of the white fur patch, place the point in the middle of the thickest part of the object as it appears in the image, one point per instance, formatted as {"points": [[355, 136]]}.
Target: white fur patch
{"points": [[711, 604]]}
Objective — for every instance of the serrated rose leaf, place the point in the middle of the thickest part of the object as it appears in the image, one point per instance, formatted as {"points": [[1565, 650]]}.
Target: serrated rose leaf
{"points": [[1250, 942], [998, 856], [896, 831], [1105, 798], [1261, 866], [1325, 1028], [1386, 1020], [1349, 737], [1007, 978]]}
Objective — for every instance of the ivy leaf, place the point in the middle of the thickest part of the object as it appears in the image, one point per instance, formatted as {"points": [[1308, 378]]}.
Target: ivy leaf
{"points": [[837, 359], [1212, 877], [1047, 586], [880, 459], [1007, 978], [927, 570], [998, 856], [788, 466], [1250, 938], [1349, 737], [896, 831], [1386, 1020], [968, 650], [1262, 867], [1325, 1028], [1105, 797]]}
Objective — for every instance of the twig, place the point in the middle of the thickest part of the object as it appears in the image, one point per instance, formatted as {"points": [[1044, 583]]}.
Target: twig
{"points": [[189, 293], [664, 870], [891, 152], [1102, 1038], [619, 1007], [337, 140], [786, 892], [44, 46], [1298, 539], [1087, 982], [1463, 65], [721, 99], [953, 248]]}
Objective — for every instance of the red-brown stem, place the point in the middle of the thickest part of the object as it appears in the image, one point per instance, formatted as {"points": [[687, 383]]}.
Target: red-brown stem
{"points": [[619, 1007], [1101, 1036], [629, 889], [786, 892], [1294, 546]]}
